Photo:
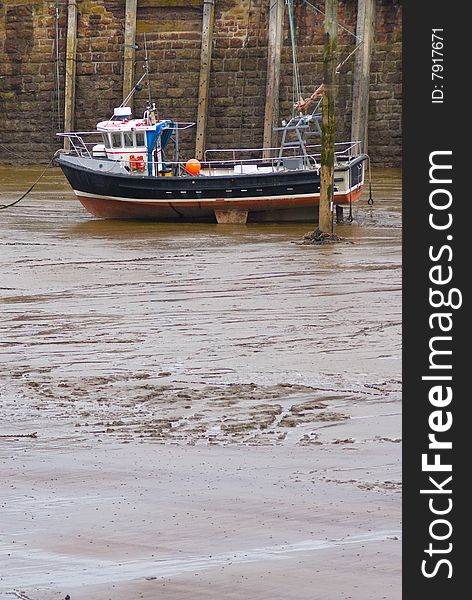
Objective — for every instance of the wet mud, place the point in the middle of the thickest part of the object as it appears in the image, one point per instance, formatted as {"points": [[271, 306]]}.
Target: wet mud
{"points": [[232, 395]]}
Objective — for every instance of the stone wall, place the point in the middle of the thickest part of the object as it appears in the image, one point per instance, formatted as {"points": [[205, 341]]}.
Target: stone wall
{"points": [[29, 89]]}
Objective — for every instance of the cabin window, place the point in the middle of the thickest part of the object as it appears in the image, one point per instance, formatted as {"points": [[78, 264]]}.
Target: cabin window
{"points": [[140, 139], [106, 140], [116, 140], [129, 140]]}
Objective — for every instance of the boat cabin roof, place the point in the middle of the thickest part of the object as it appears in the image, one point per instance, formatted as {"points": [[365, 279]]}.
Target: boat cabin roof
{"points": [[127, 125]]}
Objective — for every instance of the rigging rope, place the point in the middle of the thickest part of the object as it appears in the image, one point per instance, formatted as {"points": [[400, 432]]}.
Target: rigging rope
{"points": [[57, 77], [297, 86], [297, 98], [342, 63], [316, 9], [359, 40]]}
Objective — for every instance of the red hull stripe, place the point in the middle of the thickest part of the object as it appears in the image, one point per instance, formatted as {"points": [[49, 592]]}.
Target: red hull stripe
{"points": [[109, 208]]}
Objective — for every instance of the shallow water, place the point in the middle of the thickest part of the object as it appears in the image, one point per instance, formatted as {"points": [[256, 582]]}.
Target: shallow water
{"points": [[207, 399], [85, 299]]}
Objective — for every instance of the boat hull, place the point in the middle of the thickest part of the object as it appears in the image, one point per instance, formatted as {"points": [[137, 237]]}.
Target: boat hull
{"points": [[284, 196]]}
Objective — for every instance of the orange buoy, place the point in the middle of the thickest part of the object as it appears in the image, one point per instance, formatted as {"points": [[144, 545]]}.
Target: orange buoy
{"points": [[193, 166]]}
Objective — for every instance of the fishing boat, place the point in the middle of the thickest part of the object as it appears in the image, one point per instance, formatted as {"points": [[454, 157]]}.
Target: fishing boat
{"points": [[134, 170]]}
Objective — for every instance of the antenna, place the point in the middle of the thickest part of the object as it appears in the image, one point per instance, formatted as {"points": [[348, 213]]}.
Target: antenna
{"points": [[146, 68], [137, 86]]}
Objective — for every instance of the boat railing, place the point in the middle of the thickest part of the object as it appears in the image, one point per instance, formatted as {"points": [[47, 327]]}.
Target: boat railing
{"points": [[77, 142], [342, 150], [310, 157], [240, 160], [345, 152], [84, 149], [349, 148], [241, 166]]}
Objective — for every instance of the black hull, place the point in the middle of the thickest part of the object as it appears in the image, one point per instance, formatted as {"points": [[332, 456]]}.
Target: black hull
{"points": [[116, 195]]}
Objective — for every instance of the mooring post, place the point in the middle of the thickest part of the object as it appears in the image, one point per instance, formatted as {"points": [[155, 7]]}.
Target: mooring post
{"points": [[274, 53], [205, 68], [328, 125], [130, 48], [71, 50], [360, 92]]}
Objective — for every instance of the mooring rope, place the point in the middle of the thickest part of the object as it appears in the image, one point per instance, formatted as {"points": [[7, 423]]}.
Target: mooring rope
{"points": [[370, 201], [22, 157], [350, 194], [3, 206]]}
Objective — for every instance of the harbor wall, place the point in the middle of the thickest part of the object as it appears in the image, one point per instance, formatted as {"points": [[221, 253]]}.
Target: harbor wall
{"points": [[32, 70]]}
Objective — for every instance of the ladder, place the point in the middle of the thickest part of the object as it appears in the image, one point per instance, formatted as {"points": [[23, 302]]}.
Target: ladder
{"points": [[300, 125]]}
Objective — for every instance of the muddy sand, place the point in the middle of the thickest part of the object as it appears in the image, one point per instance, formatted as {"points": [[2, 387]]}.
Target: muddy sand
{"points": [[198, 411]]}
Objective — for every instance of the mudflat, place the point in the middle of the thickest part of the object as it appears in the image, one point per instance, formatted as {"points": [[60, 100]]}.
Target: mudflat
{"points": [[198, 411]]}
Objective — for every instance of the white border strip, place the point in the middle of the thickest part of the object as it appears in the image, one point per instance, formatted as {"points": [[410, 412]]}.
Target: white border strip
{"points": [[203, 200]]}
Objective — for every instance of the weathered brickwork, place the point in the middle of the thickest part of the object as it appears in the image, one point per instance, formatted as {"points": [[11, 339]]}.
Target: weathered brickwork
{"points": [[100, 39], [173, 36], [385, 103], [29, 114]]}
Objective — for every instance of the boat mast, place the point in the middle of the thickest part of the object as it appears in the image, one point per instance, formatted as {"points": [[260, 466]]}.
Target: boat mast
{"points": [[138, 87]]}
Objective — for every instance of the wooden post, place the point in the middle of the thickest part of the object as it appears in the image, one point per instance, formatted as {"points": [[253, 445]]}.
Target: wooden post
{"points": [[328, 124], [360, 92], [205, 67], [130, 47], [71, 48], [274, 53]]}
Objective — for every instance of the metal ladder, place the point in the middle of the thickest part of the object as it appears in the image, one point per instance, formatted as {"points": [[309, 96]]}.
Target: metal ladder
{"points": [[301, 126]]}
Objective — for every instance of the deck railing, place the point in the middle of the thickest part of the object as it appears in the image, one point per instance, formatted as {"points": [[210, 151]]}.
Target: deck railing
{"points": [[280, 158], [342, 150]]}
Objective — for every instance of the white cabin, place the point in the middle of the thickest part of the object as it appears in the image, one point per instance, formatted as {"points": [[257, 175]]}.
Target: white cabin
{"points": [[125, 140]]}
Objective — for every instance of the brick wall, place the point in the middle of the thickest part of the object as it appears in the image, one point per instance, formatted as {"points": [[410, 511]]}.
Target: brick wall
{"points": [[29, 113]]}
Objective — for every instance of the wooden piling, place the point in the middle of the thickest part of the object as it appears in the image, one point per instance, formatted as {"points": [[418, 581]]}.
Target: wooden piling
{"points": [[360, 93], [130, 49], [274, 53], [205, 69], [328, 124], [70, 67]]}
